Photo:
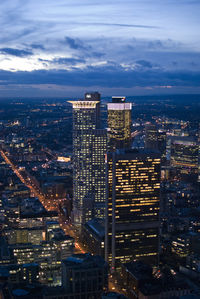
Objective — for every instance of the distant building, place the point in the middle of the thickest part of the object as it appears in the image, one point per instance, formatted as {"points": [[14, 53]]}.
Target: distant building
{"points": [[89, 149], [155, 139], [132, 219], [151, 136], [184, 153], [119, 123], [181, 245]]}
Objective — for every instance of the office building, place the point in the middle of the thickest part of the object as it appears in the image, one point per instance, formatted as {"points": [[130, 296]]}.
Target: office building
{"points": [[151, 136], [132, 207], [27, 273], [48, 256], [85, 275], [89, 149], [94, 232], [99, 172], [181, 245], [32, 235], [184, 153], [119, 123], [141, 283]]}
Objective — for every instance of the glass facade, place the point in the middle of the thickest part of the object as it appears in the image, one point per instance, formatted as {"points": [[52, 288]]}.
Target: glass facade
{"points": [[119, 123], [151, 136], [89, 149], [132, 207], [184, 153]]}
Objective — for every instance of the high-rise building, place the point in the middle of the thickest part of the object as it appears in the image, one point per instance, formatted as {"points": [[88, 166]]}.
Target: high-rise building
{"points": [[184, 153], [132, 207], [151, 136], [89, 149], [155, 139], [119, 123], [99, 172]]}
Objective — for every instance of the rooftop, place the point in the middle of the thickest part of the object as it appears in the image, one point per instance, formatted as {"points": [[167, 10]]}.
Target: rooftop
{"points": [[139, 270], [84, 261], [96, 226]]}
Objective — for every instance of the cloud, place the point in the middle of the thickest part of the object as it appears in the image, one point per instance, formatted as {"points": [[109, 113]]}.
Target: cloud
{"points": [[119, 25], [100, 42], [107, 76], [144, 63], [74, 44], [68, 61], [15, 52], [37, 46]]}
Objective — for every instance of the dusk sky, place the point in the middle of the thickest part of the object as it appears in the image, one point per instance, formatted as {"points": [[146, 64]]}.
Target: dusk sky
{"points": [[121, 47]]}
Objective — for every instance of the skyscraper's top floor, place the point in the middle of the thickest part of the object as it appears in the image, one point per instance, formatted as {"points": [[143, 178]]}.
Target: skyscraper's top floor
{"points": [[118, 99], [119, 103], [90, 101], [92, 96]]}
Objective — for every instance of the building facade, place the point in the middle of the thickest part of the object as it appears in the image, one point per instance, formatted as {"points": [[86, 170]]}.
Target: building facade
{"points": [[184, 153], [89, 149], [151, 136], [132, 207], [119, 123], [85, 274]]}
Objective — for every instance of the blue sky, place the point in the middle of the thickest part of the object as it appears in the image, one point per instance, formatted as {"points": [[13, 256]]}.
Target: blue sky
{"points": [[65, 47]]}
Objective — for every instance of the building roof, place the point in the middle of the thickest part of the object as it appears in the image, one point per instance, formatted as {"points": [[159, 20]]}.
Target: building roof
{"points": [[139, 270], [97, 227], [84, 261]]}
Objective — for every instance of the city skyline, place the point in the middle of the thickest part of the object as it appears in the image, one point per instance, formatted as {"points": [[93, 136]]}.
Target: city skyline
{"points": [[143, 47], [57, 186]]}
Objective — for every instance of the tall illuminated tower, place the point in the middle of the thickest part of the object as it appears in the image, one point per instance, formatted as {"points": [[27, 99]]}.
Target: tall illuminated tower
{"points": [[119, 123], [132, 207], [89, 148]]}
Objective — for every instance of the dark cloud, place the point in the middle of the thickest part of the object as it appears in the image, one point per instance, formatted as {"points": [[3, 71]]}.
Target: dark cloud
{"points": [[193, 63], [15, 52], [120, 25], [98, 54], [37, 46], [144, 63], [106, 76], [156, 44], [85, 50], [69, 61], [74, 43]]}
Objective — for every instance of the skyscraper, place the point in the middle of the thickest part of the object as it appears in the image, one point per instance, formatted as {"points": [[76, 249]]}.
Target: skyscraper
{"points": [[151, 136], [184, 153], [89, 148], [119, 123], [132, 207]]}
